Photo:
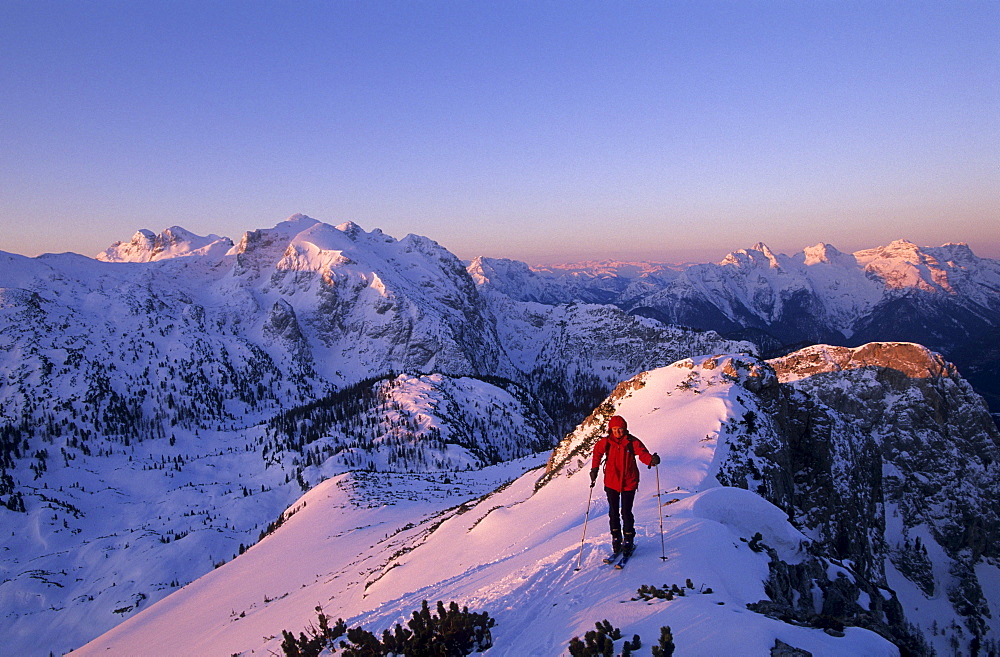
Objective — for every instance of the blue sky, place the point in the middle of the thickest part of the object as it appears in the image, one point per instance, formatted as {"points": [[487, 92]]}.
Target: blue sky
{"points": [[543, 131]]}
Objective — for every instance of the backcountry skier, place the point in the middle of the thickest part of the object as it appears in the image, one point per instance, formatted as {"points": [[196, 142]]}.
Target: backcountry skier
{"points": [[621, 478]]}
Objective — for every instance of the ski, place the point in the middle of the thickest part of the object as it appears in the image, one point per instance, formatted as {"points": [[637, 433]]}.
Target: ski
{"points": [[611, 558], [624, 560]]}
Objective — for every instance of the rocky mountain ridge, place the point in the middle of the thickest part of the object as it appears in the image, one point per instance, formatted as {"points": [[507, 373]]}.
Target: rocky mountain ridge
{"points": [[940, 467]]}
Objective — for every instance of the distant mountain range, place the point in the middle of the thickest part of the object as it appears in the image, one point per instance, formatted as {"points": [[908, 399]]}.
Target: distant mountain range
{"points": [[165, 406], [945, 297]]}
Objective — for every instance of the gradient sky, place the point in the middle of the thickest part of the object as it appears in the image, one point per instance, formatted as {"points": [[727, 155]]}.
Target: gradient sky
{"points": [[543, 131]]}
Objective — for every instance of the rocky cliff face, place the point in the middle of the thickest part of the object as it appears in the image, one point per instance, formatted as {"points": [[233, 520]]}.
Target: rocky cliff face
{"points": [[937, 451], [889, 460], [809, 460]]}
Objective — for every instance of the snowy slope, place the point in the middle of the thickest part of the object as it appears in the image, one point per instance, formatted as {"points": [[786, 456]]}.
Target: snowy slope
{"points": [[109, 533], [515, 552]]}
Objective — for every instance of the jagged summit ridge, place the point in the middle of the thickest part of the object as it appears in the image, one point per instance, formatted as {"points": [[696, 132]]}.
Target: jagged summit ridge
{"points": [[173, 242], [825, 253], [757, 255]]}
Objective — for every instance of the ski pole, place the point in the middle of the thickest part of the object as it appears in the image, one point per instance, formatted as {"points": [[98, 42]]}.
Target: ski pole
{"points": [[579, 563], [659, 506]]}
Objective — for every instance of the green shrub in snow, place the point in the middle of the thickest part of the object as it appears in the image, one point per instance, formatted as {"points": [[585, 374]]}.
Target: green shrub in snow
{"points": [[451, 632]]}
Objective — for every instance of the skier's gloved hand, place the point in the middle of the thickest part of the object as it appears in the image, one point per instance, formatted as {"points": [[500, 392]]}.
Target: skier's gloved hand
{"points": [[655, 460], [593, 476]]}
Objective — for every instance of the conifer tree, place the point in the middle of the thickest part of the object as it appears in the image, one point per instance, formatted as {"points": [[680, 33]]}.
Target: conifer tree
{"points": [[666, 645]]}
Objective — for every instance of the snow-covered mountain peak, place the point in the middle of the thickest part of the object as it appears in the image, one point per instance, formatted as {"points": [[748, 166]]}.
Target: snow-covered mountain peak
{"points": [[350, 229], [956, 253], [300, 243], [903, 264], [826, 254], [766, 250], [305, 244], [512, 277], [174, 242], [285, 230], [296, 223], [479, 270], [141, 243], [759, 255], [414, 243], [896, 249]]}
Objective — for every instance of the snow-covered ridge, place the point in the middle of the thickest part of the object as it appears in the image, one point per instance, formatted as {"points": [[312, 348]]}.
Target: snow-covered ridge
{"points": [[515, 552], [741, 454], [903, 264], [174, 242], [819, 292], [690, 374]]}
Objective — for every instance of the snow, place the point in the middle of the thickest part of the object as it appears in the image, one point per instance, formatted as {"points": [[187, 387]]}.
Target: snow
{"points": [[931, 613], [989, 578], [512, 552], [835, 290], [112, 534], [174, 242]]}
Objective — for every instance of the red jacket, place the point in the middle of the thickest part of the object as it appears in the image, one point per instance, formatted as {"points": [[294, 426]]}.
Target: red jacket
{"points": [[620, 471]]}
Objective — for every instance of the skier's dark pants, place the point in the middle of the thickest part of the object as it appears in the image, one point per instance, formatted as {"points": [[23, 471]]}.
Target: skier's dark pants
{"points": [[624, 499]]}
